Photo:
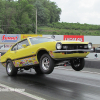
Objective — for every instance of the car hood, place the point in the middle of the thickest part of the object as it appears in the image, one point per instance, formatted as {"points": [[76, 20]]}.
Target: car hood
{"points": [[72, 42]]}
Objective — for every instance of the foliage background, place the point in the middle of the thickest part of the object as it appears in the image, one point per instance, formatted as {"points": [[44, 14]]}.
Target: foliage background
{"points": [[65, 28], [19, 17]]}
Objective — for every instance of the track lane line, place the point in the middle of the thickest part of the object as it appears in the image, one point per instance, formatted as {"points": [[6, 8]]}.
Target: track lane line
{"points": [[23, 93]]}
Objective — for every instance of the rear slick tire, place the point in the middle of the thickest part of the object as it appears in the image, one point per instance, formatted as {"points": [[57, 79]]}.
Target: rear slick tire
{"points": [[11, 69], [38, 70], [46, 64]]}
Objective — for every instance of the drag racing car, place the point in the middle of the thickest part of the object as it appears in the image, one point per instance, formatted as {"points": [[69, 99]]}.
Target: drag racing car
{"points": [[43, 54]]}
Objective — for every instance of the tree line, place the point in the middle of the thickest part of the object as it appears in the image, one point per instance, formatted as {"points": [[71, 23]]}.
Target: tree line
{"points": [[19, 17], [75, 26], [65, 28]]}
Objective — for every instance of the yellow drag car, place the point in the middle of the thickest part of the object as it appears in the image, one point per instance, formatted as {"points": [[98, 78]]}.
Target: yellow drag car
{"points": [[43, 54]]}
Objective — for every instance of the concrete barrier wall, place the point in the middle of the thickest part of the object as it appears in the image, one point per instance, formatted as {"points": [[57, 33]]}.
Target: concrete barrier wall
{"points": [[93, 60], [93, 39], [92, 64]]}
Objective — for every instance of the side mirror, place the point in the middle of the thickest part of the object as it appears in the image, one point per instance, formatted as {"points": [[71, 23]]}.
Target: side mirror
{"points": [[24, 45]]}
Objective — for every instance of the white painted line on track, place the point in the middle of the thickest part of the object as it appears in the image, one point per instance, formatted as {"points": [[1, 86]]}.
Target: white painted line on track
{"points": [[24, 93], [80, 71], [90, 72], [67, 90]]}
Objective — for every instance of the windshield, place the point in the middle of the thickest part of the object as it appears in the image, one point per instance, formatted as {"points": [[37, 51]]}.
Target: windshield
{"points": [[40, 40]]}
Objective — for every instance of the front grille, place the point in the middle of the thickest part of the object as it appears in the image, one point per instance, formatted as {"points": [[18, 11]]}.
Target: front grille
{"points": [[74, 46]]}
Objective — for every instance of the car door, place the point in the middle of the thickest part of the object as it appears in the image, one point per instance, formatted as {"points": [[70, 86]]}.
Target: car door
{"points": [[22, 56]]}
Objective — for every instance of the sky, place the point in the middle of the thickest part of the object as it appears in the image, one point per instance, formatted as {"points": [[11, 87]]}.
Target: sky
{"points": [[81, 11]]}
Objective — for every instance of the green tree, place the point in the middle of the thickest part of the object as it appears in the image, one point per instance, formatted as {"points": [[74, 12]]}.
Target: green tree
{"points": [[18, 17]]}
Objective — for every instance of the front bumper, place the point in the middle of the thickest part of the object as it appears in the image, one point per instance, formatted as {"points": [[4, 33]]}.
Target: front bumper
{"points": [[75, 50]]}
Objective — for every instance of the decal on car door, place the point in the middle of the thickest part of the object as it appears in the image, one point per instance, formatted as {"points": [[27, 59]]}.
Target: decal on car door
{"points": [[25, 62]]}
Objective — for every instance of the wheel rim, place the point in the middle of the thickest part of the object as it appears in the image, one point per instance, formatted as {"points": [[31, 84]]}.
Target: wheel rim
{"points": [[45, 63], [76, 63], [9, 68]]}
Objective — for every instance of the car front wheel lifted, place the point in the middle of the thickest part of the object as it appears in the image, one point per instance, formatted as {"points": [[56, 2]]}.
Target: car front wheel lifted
{"points": [[77, 64]]}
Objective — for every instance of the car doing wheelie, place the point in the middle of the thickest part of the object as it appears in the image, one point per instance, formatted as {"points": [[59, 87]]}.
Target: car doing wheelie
{"points": [[43, 54]]}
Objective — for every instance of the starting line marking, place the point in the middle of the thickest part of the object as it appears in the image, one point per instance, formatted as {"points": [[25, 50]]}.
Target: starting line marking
{"points": [[24, 93]]}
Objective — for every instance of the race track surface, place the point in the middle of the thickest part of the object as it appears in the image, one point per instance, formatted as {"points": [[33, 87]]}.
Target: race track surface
{"points": [[63, 84]]}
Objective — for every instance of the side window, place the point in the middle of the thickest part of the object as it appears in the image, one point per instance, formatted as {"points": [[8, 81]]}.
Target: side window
{"points": [[14, 48], [21, 43]]}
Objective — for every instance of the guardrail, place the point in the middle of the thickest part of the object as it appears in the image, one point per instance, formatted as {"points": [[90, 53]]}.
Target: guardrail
{"points": [[92, 63]]}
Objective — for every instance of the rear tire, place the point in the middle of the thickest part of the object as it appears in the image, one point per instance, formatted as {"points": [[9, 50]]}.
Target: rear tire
{"points": [[46, 64], [38, 70], [11, 69]]}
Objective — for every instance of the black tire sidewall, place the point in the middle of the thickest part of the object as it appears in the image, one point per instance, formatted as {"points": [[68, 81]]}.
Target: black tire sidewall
{"points": [[38, 70], [51, 67], [14, 69], [82, 64]]}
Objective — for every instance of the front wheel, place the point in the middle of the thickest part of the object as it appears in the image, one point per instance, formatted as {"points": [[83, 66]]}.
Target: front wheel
{"points": [[77, 64], [11, 69], [46, 64]]}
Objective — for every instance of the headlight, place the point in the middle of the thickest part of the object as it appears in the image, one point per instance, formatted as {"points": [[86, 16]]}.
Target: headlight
{"points": [[58, 46], [90, 45]]}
